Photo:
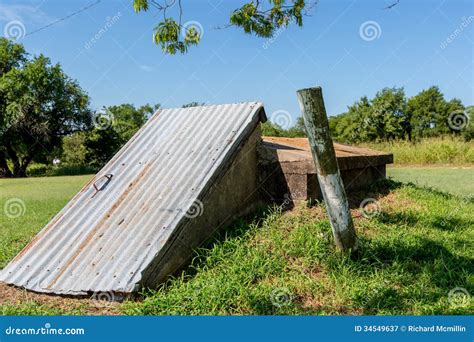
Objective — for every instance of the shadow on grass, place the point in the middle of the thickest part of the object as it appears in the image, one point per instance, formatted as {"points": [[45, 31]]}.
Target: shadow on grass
{"points": [[418, 257], [398, 218], [447, 223]]}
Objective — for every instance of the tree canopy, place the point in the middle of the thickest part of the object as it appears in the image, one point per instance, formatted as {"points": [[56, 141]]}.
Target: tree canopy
{"points": [[390, 115], [39, 104]]}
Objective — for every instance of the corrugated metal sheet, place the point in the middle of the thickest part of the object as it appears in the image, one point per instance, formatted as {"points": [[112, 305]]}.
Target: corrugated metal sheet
{"points": [[102, 241]]}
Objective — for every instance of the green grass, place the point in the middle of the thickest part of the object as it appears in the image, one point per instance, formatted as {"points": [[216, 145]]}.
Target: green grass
{"points": [[458, 181], [31, 203], [413, 253], [428, 151]]}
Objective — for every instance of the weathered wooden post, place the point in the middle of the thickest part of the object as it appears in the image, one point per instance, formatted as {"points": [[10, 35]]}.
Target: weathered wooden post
{"points": [[317, 127]]}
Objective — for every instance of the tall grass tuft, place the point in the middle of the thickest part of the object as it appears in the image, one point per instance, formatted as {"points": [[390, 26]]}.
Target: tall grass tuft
{"points": [[428, 151]]}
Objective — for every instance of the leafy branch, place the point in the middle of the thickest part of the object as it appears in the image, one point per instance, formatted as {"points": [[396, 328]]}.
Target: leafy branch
{"points": [[261, 18]]}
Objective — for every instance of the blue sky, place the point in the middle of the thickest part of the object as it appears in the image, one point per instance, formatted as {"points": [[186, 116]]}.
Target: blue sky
{"points": [[411, 48]]}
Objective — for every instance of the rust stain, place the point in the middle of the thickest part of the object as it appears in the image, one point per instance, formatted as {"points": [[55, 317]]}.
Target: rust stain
{"points": [[99, 225]]}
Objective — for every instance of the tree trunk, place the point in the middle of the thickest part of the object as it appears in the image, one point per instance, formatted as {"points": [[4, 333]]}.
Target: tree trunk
{"points": [[4, 169], [18, 171], [24, 165]]}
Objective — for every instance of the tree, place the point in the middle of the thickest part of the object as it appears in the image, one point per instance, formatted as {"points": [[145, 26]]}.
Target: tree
{"points": [[126, 119], [11, 56], [430, 112], [271, 129], [383, 118], [101, 145], [39, 105], [468, 130], [192, 104], [388, 117], [298, 130], [354, 125], [74, 150], [261, 18]]}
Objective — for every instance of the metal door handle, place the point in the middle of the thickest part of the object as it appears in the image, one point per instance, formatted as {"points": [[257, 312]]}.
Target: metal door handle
{"points": [[109, 178]]}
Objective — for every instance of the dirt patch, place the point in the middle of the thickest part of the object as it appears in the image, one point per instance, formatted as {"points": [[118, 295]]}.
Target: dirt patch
{"points": [[16, 296], [396, 201], [302, 210]]}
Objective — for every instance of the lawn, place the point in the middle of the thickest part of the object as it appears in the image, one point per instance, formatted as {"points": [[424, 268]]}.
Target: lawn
{"points": [[27, 205], [455, 180], [416, 257]]}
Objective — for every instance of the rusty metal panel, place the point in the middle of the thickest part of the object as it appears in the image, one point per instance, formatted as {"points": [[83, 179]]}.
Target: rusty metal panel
{"points": [[114, 227]]}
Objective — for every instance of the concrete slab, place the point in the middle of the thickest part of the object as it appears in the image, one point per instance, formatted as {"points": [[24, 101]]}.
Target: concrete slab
{"points": [[287, 168]]}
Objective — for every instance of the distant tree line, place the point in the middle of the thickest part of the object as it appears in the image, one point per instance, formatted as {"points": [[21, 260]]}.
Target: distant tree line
{"points": [[271, 129], [390, 115]]}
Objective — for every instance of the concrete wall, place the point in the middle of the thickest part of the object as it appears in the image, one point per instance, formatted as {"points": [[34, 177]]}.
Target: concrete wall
{"points": [[297, 178], [353, 179]]}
